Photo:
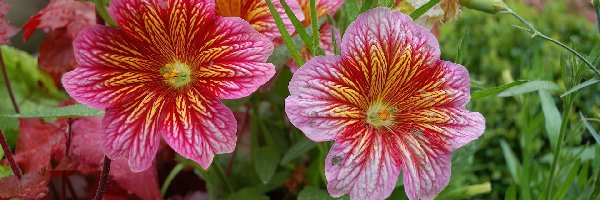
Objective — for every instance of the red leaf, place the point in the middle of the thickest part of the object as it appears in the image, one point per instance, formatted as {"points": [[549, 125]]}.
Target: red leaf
{"points": [[70, 14], [32, 186], [37, 141]]}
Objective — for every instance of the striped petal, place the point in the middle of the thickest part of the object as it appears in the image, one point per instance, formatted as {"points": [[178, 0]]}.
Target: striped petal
{"points": [[362, 165], [235, 58], [111, 68], [172, 27], [319, 103], [256, 12], [131, 130], [198, 127]]}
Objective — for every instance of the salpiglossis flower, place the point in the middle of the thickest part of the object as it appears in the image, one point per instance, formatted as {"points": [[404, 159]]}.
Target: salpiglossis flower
{"points": [[6, 30], [162, 72], [390, 104], [256, 12]]}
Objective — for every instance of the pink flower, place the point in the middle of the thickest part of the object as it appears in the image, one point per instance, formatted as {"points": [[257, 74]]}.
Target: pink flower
{"points": [[162, 72], [390, 104]]}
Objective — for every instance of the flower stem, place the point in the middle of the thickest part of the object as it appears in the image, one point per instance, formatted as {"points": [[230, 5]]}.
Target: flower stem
{"points": [[221, 173], [103, 179], [536, 33], [561, 136], [597, 8], [7, 84], [8, 154], [170, 178]]}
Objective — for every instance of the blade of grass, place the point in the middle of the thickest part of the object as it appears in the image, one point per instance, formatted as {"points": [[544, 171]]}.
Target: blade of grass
{"points": [[287, 39], [316, 49], [590, 128], [298, 25], [581, 86], [423, 9]]}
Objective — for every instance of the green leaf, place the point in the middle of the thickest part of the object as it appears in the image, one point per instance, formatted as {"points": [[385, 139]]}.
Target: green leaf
{"points": [[101, 9], [511, 160], [32, 87], [495, 90], [511, 193], [247, 193], [590, 128], [581, 86], [567, 184], [462, 48], [367, 4], [285, 35], [423, 9], [265, 160], [352, 10], [77, 110], [552, 117], [298, 26], [298, 150], [530, 86], [312, 193]]}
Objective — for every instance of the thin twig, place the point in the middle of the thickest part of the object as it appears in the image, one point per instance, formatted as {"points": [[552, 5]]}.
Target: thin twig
{"points": [[103, 179], [7, 84], [9, 157], [536, 33]]}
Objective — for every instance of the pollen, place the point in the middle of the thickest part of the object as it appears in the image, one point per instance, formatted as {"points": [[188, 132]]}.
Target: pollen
{"points": [[381, 115], [176, 74]]}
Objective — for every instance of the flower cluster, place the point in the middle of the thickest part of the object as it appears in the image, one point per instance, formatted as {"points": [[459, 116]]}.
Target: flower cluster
{"points": [[388, 102]]}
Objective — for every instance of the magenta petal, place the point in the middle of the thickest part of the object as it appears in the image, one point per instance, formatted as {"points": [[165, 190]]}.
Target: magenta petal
{"points": [[363, 167], [131, 130], [235, 59], [318, 105], [198, 127]]}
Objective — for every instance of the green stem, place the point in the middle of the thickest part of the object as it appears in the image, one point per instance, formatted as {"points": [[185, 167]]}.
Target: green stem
{"points": [[285, 35], [597, 7], [221, 173], [537, 33], [561, 136], [101, 10], [322, 151], [315, 29], [170, 178]]}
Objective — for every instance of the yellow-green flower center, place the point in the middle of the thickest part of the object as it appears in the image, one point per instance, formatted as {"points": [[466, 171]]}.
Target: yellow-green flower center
{"points": [[176, 74], [381, 115]]}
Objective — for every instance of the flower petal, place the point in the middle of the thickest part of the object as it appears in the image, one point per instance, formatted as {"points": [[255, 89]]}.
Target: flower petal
{"points": [[170, 26], [324, 7], [197, 127], [102, 88], [235, 59], [426, 163], [131, 130], [361, 165], [256, 12], [319, 105]]}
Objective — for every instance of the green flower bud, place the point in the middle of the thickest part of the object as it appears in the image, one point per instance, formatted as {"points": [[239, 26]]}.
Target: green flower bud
{"points": [[488, 6]]}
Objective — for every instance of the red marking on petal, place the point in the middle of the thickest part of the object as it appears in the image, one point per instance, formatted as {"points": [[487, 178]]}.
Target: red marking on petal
{"points": [[234, 61], [362, 166], [198, 127], [30, 26], [131, 130]]}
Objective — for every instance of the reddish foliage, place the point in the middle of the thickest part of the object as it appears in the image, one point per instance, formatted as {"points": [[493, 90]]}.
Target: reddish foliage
{"points": [[42, 143], [31, 186], [62, 19], [6, 30]]}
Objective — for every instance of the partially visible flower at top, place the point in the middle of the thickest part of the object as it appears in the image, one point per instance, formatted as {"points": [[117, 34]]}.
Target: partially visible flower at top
{"points": [[256, 12], [6, 30], [390, 104], [444, 11], [62, 20], [324, 7], [162, 72], [325, 42]]}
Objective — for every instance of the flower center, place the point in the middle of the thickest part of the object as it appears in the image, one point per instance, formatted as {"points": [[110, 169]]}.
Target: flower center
{"points": [[379, 115], [176, 74]]}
